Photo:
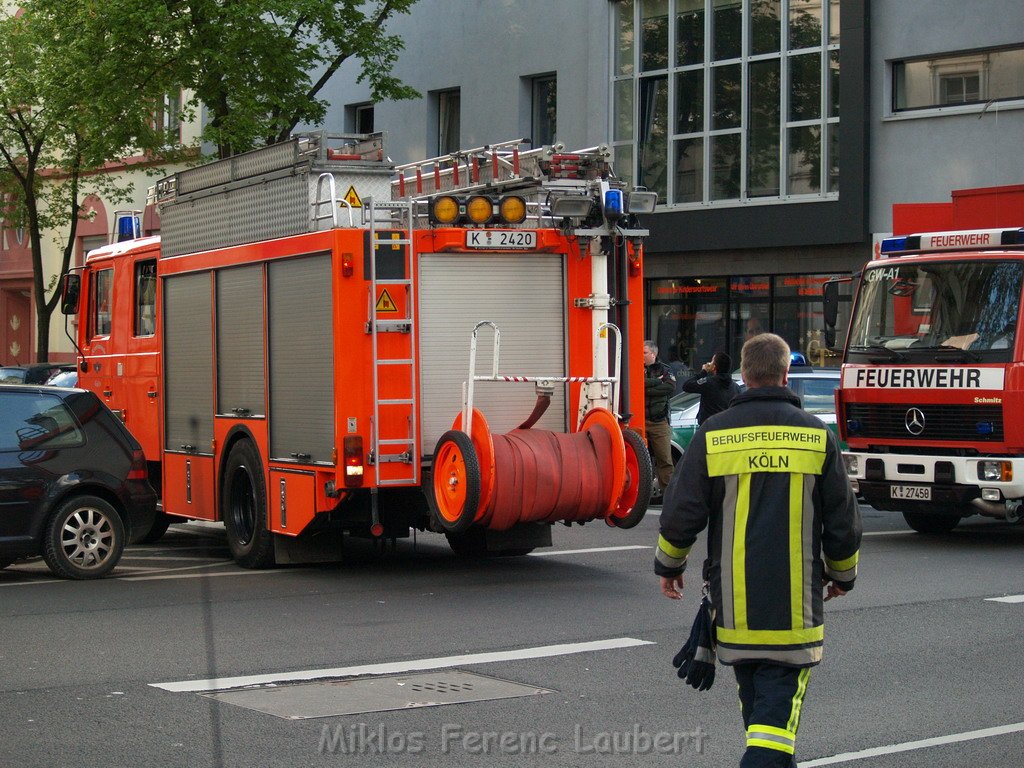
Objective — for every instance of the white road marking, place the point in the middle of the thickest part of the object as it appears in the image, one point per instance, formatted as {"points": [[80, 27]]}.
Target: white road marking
{"points": [[553, 552], [909, 746], [413, 665], [33, 583], [204, 575], [890, 533], [1007, 599]]}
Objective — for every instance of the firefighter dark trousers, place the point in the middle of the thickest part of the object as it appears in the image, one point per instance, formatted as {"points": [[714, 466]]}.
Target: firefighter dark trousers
{"points": [[771, 697]]}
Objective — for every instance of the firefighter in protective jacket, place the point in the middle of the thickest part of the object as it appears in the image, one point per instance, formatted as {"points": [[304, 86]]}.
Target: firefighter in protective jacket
{"points": [[768, 480]]}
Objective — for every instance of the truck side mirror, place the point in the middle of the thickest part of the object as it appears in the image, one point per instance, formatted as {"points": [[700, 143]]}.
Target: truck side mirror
{"points": [[830, 299], [830, 296], [70, 292]]}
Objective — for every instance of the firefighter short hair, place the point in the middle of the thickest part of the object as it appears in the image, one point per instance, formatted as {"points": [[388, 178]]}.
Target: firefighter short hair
{"points": [[765, 361], [651, 346]]}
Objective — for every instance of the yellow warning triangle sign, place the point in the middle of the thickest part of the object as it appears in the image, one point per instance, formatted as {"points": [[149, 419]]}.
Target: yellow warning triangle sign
{"points": [[352, 198], [385, 303]]}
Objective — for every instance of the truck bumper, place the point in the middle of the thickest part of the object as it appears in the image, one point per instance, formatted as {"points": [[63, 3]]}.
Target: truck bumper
{"points": [[952, 481]]}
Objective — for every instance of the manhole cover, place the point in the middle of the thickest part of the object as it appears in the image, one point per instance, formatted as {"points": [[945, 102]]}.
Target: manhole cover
{"points": [[374, 694]]}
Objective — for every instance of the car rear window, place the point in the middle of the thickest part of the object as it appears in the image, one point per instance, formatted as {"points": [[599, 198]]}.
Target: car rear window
{"points": [[12, 375], [31, 421], [818, 395]]}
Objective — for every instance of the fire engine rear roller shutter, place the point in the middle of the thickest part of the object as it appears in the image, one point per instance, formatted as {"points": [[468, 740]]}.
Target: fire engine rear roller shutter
{"points": [[525, 295], [240, 369], [301, 358], [188, 363]]}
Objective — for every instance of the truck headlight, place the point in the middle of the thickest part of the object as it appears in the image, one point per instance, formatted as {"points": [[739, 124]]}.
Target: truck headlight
{"points": [[995, 471], [852, 464]]}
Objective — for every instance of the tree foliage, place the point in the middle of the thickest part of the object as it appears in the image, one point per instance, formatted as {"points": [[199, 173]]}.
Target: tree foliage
{"points": [[258, 66], [81, 81], [64, 114]]}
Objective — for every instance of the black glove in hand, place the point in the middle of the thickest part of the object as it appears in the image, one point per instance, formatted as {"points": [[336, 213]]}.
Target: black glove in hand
{"points": [[695, 661]]}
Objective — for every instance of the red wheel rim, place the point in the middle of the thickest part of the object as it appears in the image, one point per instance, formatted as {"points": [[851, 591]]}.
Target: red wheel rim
{"points": [[605, 419], [450, 482], [483, 442], [632, 490]]}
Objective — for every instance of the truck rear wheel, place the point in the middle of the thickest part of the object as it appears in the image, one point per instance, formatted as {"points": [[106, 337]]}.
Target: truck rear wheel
{"points": [[923, 522], [243, 506]]}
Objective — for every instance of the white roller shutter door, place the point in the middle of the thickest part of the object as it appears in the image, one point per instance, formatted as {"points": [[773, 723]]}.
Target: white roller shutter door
{"points": [[525, 295]]}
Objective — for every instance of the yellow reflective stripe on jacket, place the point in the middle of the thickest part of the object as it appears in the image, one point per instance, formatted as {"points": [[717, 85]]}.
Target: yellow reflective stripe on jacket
{"points": [[796, 551], [843, 565], [670, 555], [767, 437], [770, 636], [739, 553], [748, 461]]}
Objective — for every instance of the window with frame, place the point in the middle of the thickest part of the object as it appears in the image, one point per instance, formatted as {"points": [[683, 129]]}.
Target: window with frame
{"points": [[544, 110], [964, 78], [362, 118], [727, 100], [101, 294], [167, 116], [145, 298], [448, 128]]}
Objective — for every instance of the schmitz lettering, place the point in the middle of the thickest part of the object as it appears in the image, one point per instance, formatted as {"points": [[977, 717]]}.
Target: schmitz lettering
{"points": [[923, 377]]}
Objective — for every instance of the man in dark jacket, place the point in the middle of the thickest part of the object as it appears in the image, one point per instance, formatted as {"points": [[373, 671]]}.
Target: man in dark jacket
{"points": [[659, 385], [715, 386], [768, 480]]}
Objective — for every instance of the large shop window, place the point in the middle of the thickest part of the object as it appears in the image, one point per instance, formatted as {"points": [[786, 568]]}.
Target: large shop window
{"points": [[727, 100], [692, 318]]}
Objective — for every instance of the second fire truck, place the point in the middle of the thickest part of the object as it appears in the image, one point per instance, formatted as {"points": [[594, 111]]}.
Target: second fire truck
{"points": [[932, 387], [321, 344]]}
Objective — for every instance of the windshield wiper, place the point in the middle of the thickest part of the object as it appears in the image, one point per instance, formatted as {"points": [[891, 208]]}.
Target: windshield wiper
{"points": [[893, 355], [949, 353]]}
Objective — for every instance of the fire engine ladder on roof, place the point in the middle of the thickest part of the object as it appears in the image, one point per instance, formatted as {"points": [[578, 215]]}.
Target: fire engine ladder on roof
{"points": [[400, 372]]}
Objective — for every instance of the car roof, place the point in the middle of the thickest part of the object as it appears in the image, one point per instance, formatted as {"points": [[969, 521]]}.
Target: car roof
{"points": [[40, 389]]}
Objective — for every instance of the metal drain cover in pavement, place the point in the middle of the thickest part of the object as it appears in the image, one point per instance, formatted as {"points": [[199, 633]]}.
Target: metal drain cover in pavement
{"points": [[374, 694]]}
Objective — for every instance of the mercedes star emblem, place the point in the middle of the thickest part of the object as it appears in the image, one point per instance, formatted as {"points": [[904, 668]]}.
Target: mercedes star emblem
{"points": [[914, 421]]}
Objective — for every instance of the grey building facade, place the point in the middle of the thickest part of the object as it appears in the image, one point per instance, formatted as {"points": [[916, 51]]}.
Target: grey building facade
{"points": [[778, 133]]}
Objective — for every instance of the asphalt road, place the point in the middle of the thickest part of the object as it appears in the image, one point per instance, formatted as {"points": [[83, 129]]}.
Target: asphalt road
{"points": [[920, 665]]}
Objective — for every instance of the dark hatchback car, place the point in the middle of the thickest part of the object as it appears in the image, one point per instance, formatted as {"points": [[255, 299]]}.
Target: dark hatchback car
{"points": [[32, 373], [73, 482]]}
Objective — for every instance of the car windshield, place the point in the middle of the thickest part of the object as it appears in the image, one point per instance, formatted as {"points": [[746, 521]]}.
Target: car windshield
{"points": [[945, 310], [683, 400]]}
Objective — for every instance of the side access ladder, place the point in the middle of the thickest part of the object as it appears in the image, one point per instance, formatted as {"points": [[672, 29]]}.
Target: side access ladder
{"points": [[391, 327]]}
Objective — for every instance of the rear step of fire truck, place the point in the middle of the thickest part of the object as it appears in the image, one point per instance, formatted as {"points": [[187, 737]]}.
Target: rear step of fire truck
{"points": [[394, 218]]}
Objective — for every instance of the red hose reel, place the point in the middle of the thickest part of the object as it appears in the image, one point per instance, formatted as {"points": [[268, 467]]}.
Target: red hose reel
{"points": [[601, 471]]}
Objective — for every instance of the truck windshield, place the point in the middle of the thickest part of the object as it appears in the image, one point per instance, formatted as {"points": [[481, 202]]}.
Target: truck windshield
{"points": [[946, 311]]}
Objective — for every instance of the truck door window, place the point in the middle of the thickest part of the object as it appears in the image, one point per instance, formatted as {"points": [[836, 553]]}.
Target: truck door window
{"points": [[101, 294], [145, 298]]}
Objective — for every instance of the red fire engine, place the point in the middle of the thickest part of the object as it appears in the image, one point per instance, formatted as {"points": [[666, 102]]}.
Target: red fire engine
{"points": [[297, 352], [933, 374]]}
